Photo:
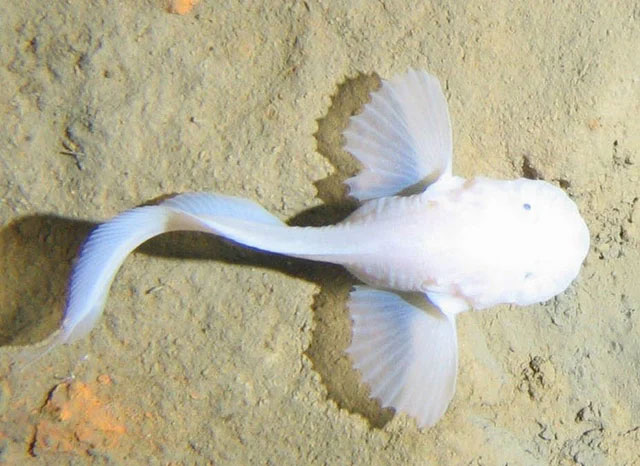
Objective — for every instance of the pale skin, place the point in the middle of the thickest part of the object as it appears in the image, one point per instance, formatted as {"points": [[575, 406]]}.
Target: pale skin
{"points": [[458, 245]]}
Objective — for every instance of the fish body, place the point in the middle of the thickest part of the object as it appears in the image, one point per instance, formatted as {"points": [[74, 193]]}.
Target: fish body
{"points": [[484, 241], [457, 245]]}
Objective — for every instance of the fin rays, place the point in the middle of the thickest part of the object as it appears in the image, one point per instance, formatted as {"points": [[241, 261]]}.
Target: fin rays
{"points": [[407, 354], [402, 137]]}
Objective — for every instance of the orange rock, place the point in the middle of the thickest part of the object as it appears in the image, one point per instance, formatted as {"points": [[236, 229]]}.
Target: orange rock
{"points": [[182, 7], [78, 420]]}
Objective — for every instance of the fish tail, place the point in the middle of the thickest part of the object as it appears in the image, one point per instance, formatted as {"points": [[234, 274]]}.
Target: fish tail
{"points": [[237, 219]]}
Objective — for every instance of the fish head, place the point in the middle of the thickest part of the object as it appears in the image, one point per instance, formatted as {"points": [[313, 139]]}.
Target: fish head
{"points": [[551, 238]]}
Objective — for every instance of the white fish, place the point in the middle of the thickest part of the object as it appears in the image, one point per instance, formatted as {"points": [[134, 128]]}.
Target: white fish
{"points": [[457, 245]]}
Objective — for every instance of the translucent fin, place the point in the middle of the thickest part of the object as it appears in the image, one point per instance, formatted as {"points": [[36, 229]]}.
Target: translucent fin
{"points": [[403, 137], [97, 263], [406, 350], [248, 224], [100, 258], [110, 243], [218, 205]]}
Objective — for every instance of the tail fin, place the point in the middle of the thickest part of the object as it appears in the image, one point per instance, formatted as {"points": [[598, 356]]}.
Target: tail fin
{"points": [[110, 243], [99, 259], [250, 225], [218, 205]]}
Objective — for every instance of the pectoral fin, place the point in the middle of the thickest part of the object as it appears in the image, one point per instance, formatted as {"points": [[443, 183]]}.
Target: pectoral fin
{"points": [[403, 137], [406, 350]]}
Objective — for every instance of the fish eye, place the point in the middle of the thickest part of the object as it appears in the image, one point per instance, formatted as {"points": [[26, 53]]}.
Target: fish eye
{"points": [[526, 206]]}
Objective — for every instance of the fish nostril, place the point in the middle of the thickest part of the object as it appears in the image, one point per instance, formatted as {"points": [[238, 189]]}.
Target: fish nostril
{"points": [[528, 275], [526, 206]]}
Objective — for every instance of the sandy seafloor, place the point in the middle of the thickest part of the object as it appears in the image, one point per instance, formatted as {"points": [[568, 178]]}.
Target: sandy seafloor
{"points": [[209, 354]]}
